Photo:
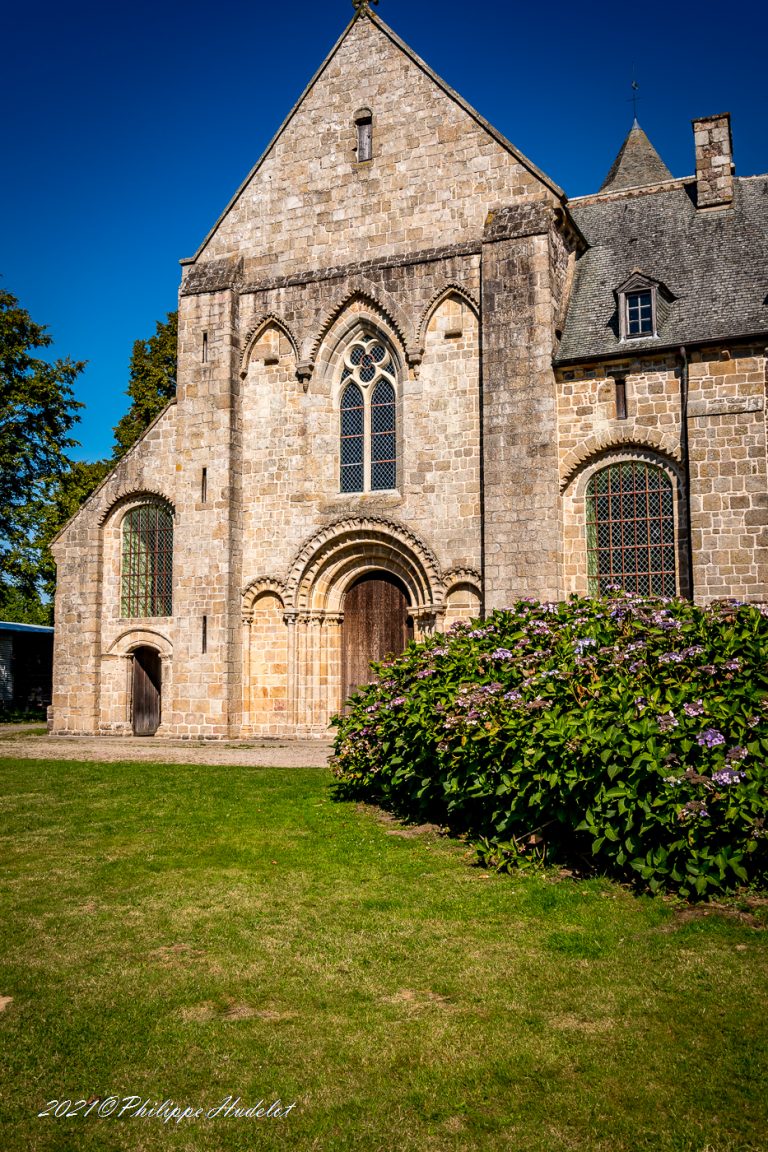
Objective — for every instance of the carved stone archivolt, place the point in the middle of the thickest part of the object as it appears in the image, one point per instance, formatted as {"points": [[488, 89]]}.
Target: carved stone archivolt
{"points": [[383, 310], [259, 587], [342, 552], [588, 452]]}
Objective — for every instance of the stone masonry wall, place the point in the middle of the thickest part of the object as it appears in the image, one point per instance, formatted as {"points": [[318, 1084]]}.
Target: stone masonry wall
{"points": [[521, 297], [727, 459], [89, 649], [729, 484]]}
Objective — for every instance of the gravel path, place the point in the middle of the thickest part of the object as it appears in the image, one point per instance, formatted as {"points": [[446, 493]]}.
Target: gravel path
{"points": [[20, 742]]}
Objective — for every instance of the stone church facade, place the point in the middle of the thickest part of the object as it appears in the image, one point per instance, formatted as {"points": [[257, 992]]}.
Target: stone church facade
{"points": [[416, 382]]}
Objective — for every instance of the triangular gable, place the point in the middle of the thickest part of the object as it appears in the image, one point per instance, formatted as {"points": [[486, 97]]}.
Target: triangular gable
{"points": [[365, 14]]}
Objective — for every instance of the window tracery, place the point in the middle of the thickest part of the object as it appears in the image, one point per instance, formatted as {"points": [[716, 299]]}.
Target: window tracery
{"points": [[368, 441]]}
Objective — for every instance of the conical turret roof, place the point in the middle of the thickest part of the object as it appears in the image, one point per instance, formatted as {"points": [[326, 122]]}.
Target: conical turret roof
{"points": [[637, 163]]}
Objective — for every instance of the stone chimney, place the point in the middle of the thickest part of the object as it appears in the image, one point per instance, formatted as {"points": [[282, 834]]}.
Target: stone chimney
{"points": [[714, 161]]}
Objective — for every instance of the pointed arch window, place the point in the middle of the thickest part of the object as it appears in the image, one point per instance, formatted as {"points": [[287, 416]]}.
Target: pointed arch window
{"points": [[368, 447], [147, 561], [631, 530]]}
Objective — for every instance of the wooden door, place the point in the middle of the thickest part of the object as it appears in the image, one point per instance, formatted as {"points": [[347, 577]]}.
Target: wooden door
{"points": [[146, 691], [375, 625]]}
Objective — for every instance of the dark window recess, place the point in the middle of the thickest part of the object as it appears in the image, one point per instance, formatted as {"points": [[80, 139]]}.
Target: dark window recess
{"points": [[204, 486], [365, 138], [205, 348], [147, 570], [631, 530], [204, 638], [621, 399], [639, 314]]}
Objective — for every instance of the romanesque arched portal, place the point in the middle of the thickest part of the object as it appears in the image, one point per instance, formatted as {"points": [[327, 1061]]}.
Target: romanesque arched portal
{"points": [[344, 555]]}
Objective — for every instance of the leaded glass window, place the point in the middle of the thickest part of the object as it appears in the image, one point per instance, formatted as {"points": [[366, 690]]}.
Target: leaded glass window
{"points": [[368, 443], [383, 448], [631, 530], [147, 561], [352, 439]]}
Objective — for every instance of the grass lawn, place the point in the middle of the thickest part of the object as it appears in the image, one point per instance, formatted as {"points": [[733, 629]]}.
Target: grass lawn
{"points": [[198, 933]]}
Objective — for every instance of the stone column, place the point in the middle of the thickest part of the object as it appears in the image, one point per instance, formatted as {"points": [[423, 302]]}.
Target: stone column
{"points": [[332, 651], [314, 662], [290, 622], [247, 686]]}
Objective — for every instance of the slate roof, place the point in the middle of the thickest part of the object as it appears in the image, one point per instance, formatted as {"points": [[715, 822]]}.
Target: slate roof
{"points": [[715, 265], [637, 163]]}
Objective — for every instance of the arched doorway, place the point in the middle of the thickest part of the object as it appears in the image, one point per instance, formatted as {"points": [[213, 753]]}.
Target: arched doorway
{"points": [[376, 625], [147, 685]]}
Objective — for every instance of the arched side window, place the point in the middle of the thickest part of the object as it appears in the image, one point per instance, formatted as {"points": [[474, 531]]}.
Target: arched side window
{"points": [[368, 440], [147, 561], [631, 530]]}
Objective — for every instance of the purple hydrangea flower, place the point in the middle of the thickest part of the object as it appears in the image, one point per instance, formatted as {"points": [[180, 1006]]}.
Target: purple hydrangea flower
{"points": [[502, 654], [694, 709], [585, 642], [667, 721], [728, 776], [710, 738]]}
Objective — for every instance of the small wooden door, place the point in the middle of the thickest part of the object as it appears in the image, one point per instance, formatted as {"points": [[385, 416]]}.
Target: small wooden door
{"points": [[147, 677], [375, 625]]}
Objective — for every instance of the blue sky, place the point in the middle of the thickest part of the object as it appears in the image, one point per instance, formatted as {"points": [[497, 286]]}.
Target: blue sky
{"points": [[127, 128]]}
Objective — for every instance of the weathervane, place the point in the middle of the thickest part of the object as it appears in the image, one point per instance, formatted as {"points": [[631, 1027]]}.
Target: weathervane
{"points": [[361, 5], [634, 97]]}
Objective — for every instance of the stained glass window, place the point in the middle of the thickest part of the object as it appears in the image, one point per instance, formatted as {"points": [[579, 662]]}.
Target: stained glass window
{"points": [[368, 450], [147, 568], [631, 530]]}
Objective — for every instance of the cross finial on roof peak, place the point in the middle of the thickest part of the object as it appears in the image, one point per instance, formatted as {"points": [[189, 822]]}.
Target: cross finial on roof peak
{"points": [[361, 5]]}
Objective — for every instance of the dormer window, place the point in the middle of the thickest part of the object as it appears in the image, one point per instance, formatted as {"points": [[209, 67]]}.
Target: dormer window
{"points": [[640, 313], [364, 125], [643, 304]]}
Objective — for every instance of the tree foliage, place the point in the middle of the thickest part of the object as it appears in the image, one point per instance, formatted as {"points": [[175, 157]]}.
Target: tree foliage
{"points": [[41, 487], [37, 412], [152, 383]]}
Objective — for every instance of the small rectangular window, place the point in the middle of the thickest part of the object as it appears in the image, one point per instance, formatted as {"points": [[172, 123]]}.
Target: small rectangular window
{"points": [[205, 348], [204, 644], [365, 139], [621, 398], [204, 486], [639, 314]]}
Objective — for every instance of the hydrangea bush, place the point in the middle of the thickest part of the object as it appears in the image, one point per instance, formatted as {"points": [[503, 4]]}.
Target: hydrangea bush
{"points": [[626, 735]]}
